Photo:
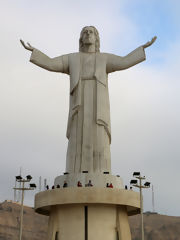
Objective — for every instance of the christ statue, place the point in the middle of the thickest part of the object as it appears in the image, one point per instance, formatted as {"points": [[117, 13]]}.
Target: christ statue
{"points": [[88, 128]]}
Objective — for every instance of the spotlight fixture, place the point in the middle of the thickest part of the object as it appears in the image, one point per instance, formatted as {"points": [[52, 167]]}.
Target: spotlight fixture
{"points": [[147, 184], [136, 174], [133, 181], [28, 177], [18, 177]]}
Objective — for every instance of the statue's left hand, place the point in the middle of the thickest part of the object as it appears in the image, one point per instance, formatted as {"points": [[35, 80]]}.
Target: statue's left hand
{"points": [[28, 46], [149, 43]]}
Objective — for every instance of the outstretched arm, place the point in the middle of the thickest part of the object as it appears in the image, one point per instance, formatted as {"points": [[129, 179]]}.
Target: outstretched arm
{"points": [[57, 64], [116, 63]]}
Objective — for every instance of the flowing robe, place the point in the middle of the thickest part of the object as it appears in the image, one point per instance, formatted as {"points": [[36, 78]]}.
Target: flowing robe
{"points": [[88, 129]]}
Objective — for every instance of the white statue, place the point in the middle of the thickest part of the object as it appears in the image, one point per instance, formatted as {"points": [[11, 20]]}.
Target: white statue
{"points": [[88, 130]]}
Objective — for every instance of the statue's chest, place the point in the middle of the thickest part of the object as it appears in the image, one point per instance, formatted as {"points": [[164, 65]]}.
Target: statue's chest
{"points": [[88, 61]]}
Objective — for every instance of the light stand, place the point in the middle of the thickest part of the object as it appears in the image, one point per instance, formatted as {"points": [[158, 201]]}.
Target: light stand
{"points": [[23, 188], [140, 186]]}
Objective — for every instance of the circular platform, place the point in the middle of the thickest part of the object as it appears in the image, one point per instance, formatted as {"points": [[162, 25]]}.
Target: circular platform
{"points": [[87, 195], [98, 180]]}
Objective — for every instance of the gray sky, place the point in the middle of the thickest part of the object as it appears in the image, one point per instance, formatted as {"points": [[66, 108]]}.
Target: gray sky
{"points": [[144, 100]]}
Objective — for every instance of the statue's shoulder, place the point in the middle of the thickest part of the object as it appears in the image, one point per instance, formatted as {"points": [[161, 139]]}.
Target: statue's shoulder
{"points": [[100, 55], [104, 54], [79, 53], [73, 57], [107, 54], [74, 54]]}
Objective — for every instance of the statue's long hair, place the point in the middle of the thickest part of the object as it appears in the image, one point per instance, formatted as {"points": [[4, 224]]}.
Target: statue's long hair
{"points": [[97, 43]]}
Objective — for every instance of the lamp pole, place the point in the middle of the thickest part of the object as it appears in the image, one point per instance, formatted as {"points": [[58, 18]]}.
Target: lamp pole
{"points": [[140, 186], [23, 188]]}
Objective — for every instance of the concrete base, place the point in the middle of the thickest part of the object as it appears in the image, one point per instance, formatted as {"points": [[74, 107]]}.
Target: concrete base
{"points": [[88, 213], [89, 222]]}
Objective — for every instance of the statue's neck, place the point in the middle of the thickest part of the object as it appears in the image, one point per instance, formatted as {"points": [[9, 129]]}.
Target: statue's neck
{"points": [[89, 48]]}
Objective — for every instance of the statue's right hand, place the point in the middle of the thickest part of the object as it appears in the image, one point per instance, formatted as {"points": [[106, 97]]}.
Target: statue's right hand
{"points": [[28, 46]]}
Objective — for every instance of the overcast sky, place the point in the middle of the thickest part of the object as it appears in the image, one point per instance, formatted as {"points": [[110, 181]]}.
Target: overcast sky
{"points": [[145, 112]]}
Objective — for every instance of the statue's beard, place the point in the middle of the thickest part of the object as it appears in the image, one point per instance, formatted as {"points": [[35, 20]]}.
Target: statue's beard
{"points": [[88, 46], [88, 42]]}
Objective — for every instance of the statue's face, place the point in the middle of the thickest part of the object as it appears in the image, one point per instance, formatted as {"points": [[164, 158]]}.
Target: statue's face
{"points": [[89, 36]]}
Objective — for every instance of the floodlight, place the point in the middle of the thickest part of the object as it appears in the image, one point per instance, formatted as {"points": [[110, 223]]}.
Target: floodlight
{"points": [[28, 177], [33, 185], [136, 174], [133, 181], [18, 177], [147, 184]]}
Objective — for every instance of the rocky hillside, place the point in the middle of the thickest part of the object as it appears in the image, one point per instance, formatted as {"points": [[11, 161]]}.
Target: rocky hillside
{"points": [[34, 227], [157, 227]]}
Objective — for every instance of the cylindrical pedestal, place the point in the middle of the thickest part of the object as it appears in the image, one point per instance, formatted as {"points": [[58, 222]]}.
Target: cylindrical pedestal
{"points": [[88, 213]]}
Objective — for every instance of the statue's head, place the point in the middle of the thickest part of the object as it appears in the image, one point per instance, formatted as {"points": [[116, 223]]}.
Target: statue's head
{"points": [[89, 35]]}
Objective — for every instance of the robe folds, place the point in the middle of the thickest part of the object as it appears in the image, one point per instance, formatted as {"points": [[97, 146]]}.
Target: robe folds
{"points": [[71, 64]]}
